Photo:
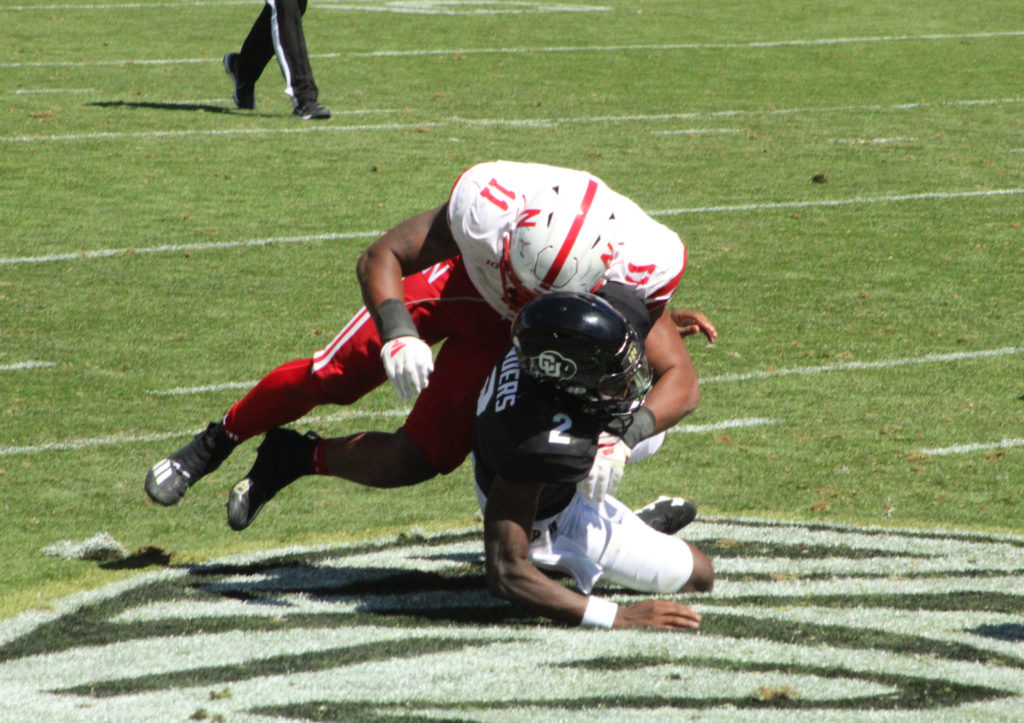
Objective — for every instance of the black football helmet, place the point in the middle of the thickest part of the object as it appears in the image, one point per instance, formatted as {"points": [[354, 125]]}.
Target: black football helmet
{"points": [[582, 349]]}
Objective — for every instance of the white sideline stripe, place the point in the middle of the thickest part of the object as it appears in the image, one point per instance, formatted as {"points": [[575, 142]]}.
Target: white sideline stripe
{"points": [[841, 201], [728, 424], [695, 46], [169, 248], [756, 421], [852, 366], [871, 141], [966, 448], [814, 42], [72, 444], [842, 366], [696, 131], [174, 248], [26, 365], [523, 123], [37, 91], [403, 8], [177, 391], [94, 442]]}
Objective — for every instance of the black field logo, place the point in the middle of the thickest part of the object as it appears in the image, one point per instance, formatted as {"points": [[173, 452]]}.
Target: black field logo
{"points": [[819, 622]]}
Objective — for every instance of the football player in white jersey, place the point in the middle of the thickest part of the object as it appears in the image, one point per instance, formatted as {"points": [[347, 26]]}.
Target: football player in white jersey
{"points": [[576, 372], [454, 274]]}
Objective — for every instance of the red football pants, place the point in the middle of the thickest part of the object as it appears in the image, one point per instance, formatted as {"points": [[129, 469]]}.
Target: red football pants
{"points": [[445, 306]]}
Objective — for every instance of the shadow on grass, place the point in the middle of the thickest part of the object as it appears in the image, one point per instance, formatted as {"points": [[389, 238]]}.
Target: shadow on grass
{"points": [[143, 557], [194, 107]]}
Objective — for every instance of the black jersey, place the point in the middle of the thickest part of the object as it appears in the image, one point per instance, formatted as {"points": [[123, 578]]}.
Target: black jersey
{"points": [[525, 435]]}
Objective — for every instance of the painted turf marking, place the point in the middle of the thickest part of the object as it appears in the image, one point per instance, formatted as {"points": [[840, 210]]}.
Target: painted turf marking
{"points": [[73, 444], [697, 132], [694, 46], [403, 7], [934, 196], [854, 366], [62, 91], [689, 429], [977, 447], [505, 122], [842, 366], [848, 631], [754, 45], [26, 365], [176, 248]]}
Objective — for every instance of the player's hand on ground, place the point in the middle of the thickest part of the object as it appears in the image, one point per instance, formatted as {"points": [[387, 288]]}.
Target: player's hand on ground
{"points": [[609, 464], [663, 614], [408, 362], [689, 322]]}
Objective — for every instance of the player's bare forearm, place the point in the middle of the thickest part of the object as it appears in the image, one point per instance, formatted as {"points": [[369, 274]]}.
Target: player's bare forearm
{"points": [[510, 574], [676, 391], [412, 245]]}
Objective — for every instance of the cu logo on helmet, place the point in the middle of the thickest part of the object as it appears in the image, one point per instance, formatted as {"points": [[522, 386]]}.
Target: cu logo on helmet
{"points": [[550, 364]]}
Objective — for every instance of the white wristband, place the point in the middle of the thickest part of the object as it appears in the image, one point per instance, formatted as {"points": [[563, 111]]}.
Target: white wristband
{"points": [[600, 613]]}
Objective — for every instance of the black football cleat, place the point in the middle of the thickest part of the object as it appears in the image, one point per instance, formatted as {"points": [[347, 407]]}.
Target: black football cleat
{"points": [[283, 457], [245, 93], [169, 479], [311, 110], [668, 514]]}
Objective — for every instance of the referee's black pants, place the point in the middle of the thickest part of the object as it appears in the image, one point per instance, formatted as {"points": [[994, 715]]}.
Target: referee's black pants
{"points": [[278, 31]]}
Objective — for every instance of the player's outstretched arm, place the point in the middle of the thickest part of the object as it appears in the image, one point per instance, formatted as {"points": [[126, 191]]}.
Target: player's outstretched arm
{"points": [[508, 518]]}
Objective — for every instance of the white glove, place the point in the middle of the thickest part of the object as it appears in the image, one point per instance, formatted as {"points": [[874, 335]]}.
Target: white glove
{"points": [[609, 463], [408, 363]]}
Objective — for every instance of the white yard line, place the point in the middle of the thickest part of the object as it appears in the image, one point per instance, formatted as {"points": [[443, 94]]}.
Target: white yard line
{"points": [[977, 447], [754, 45], [26, 365], [73, 444], [506, 122], [177, 248], [738, 377], [645, 48], [858, 200], [687, 428], [856, 366], [41, 91]]}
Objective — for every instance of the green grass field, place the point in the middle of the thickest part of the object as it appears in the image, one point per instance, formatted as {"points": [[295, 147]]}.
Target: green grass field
{"points": [[848, 178]]}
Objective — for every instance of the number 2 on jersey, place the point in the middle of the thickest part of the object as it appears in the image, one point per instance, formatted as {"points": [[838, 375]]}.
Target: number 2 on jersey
{"points": [[563, 423]]}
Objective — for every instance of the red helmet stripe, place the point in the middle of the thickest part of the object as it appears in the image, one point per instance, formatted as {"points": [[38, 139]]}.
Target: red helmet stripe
{"points": [[570, 239]]}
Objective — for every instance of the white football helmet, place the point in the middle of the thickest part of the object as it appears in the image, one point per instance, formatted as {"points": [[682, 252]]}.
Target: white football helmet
{"points": [[564, 240]]}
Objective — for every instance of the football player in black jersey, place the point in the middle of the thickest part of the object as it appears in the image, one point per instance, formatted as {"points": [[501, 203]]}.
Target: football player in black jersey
{"points": [[577, 370]]}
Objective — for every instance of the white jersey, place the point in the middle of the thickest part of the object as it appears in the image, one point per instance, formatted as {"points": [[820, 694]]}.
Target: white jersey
{"points": [[485, 205]]}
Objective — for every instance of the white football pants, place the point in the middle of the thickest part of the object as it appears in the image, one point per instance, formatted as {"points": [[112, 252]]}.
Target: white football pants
{"points": [[606, 541]]}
